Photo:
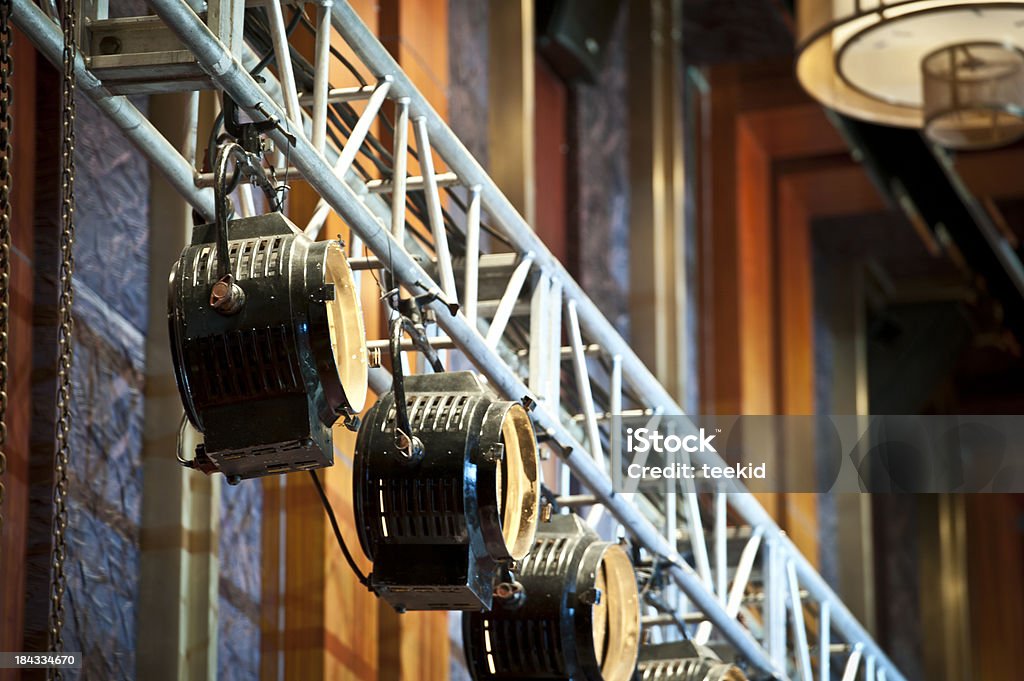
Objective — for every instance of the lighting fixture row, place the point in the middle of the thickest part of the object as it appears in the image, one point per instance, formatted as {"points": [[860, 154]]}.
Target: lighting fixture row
{"points": [[269, 351]]}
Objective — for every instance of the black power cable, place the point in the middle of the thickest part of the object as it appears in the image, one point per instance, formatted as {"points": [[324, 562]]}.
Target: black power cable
{"points": [[363, 579]]}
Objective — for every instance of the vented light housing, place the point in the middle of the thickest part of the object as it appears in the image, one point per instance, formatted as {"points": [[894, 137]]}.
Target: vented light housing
{"points": [[573, 615], [684, 661], [442, 524], [265, 381]]}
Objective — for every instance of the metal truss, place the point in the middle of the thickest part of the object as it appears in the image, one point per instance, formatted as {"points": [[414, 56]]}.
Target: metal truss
{"points": [[749, 588]]}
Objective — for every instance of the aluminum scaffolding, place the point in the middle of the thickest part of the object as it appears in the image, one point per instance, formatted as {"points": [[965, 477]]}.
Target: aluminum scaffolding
{"points": [[764, 600]]}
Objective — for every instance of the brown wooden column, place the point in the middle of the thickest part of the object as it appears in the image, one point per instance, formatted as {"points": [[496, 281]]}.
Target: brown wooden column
{"points": [[657, 230], [511, 103], [19, 358], [995, 563]]}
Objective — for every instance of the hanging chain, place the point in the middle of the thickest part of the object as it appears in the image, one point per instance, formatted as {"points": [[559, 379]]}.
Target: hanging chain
{"points": [[6, 126], [58, 585]]}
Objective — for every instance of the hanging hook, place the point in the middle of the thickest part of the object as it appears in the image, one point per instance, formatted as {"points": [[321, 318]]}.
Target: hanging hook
{"points": [[405, 441]]}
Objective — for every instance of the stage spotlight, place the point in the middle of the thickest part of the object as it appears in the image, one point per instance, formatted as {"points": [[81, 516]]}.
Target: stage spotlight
{"points": [[268, 346], [573, 614], [446, 491], [684, 661]]}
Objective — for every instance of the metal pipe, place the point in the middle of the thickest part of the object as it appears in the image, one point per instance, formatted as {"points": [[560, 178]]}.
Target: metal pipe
{"points": [[671, 592], [803, 652], [663, 619], [206, 179], [400, 172], [577, 500], [283, 57], [349, 152], [540, 338], [775, 604], [413, 183], [691, 511], [579, 362], [362, 264], [615, 410], [721, 545], [321, 73], [434, 215], [625, 415], [338, 95], [246, 201], [853, 664], [554, 355], [564, 352], [508, 300], [742, 577], [47, 38], [188, 151], [825, 642], [472, 256], [436, 342]]}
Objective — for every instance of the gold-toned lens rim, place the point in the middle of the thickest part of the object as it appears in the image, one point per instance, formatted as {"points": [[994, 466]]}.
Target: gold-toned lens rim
{"points": [[616, 619], [518, 483], [346, 328]]}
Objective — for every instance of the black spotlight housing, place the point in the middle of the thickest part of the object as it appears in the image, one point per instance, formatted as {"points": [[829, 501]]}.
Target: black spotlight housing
{"points": [[268, 345], [574, 614], [684, 661], [444, 520]]}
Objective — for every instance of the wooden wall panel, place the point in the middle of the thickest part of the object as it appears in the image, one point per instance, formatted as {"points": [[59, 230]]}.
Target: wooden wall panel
{"points": [[995, 564], [551, 153]]}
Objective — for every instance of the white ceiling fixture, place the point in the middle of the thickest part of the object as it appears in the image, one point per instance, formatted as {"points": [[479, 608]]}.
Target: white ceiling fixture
{"points": [[954, 68]]}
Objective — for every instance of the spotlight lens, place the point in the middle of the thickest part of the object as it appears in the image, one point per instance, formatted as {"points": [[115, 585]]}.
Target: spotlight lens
{"points": [[518, 487], [616, 621], [345, 321]]}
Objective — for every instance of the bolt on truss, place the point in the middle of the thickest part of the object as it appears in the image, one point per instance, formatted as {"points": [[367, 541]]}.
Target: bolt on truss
{"points": [[764, 599]]}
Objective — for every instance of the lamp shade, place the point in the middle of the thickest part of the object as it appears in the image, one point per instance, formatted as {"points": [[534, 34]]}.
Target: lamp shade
{"points": [[574, 615], [950, 67], [440, 525], [265, 381]]}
